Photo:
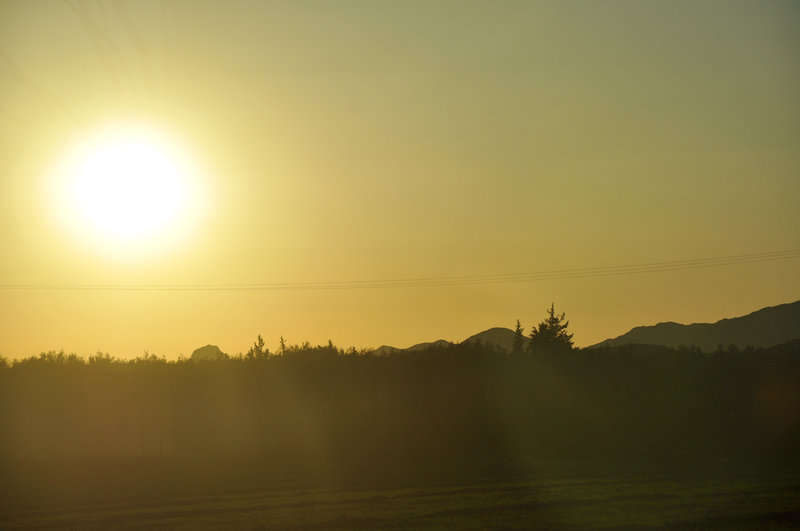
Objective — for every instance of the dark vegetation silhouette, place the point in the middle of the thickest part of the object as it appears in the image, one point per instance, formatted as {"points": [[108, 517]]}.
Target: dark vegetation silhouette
{"points": [[519, 340], [551, 336], [77, 429]]}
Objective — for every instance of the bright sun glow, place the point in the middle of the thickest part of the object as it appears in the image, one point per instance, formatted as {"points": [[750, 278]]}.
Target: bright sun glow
{"points": [[127, 191]]}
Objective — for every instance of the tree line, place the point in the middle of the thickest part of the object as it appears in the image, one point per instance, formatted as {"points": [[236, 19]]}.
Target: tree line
{"points": [[549, 336], [105, 425]]}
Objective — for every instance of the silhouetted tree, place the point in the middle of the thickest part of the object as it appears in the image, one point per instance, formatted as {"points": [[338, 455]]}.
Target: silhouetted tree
{"points": [[258, 351], [516, 347], [282, 346], [551, 335], [147, 358], [101, 358]]}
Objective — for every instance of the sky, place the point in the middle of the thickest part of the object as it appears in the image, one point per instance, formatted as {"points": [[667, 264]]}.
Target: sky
{"points": [[351, 142]]}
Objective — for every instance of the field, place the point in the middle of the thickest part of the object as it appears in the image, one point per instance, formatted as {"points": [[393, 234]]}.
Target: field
{"points": [[726, 496]]}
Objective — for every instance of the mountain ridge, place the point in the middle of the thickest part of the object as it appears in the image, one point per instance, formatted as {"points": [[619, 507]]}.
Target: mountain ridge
{"points": [[765, 327]]}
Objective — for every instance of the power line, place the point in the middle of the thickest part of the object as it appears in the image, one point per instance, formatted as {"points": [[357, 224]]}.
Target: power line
{"points": [[557, 274]]}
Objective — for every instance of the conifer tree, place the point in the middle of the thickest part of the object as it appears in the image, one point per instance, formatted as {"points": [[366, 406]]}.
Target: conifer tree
{"points": [[258, 351], [551, 335], [516, 347], [282, 346]]}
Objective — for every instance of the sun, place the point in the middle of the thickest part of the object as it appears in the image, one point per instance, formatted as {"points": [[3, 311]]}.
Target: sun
{"points": [[127, 190]]}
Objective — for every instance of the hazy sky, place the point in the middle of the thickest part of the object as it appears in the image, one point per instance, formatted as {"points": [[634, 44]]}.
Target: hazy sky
{"points": [[359, 141]]}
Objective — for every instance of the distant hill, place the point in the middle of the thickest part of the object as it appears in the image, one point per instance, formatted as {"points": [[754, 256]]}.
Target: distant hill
{"points": [[763, 328], [208, 353], [385, 350], [499, 337], [423, 346]]}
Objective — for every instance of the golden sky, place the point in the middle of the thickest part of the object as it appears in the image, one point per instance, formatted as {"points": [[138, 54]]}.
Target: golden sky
{"points": [[361, 141]]}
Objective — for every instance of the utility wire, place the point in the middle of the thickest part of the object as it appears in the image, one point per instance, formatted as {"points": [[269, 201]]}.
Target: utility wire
{"points": [[558, 274]]}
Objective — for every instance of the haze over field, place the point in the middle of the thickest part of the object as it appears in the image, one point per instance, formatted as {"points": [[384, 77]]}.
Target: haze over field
{"points": [[452, 143]]}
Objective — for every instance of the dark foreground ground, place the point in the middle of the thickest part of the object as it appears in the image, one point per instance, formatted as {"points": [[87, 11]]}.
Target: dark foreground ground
{"points": [[457, 437], [564, 495]]}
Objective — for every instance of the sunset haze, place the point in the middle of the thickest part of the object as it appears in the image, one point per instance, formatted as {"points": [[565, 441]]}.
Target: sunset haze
{"points": [[337, 144]]}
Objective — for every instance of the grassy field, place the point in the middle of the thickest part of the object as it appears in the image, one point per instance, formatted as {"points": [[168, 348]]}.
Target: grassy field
{"points": [[667, 497]]}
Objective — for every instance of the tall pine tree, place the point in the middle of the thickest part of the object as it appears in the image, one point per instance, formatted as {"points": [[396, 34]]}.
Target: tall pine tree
{"points": [[551, 335], [516, 347]]}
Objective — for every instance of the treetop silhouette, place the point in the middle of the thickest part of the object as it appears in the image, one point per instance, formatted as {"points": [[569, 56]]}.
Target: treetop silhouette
{"points": [[550, 335], [517, 345]]}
